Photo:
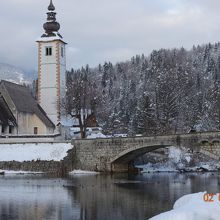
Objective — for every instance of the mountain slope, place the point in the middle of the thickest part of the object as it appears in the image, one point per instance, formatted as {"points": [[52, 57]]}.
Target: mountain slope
{"points": [[15, 74], [170, 91]]}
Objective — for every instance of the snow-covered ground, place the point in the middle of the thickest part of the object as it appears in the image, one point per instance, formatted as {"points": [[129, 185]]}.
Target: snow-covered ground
{"points": [[82, 172], [98, 135], [180, 159], [29, 152], [171, 167], [19, 172], [160, 167], [193, 207]]}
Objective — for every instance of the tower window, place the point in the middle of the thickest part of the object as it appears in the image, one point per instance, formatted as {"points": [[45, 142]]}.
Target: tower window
{"points": [[62, 52], [48, 51]]}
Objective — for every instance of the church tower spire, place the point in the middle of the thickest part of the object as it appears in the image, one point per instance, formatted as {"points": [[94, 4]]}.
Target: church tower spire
{"points": [[51, 6], [51, 27], [51, 67]]}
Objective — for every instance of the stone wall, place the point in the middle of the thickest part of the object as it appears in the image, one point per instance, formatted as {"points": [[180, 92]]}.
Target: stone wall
{"points": [[55, 167], [211, 149], [25, 139]]}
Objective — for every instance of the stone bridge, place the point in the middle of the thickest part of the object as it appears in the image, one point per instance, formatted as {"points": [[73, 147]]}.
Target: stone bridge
{"points": [[117, 154]]}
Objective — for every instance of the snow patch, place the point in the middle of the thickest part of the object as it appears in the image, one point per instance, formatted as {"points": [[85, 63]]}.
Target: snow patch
{"points": [[180, 160], [52, 38], [19, 172], [98, 135], [192, 207], [160, 167], [14, 74], [175, 154], [188, 158], [82, 172], [29, 152]]}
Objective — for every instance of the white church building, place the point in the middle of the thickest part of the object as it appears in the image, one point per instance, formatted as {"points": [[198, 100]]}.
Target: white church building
{"points": [[20, 113]]}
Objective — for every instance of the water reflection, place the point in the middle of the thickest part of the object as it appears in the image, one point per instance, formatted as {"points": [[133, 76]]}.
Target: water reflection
{"points": [[32, 197], [99, 197]]}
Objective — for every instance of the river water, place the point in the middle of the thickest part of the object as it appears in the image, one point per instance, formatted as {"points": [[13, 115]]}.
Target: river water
{"points": [[97, 197]]}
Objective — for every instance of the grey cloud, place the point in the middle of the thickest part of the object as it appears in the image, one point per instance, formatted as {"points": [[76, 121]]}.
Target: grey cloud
{"points": [[101, 30]]}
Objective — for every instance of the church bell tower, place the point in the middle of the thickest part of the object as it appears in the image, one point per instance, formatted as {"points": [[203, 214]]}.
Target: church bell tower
{"points": [[51, 67]]}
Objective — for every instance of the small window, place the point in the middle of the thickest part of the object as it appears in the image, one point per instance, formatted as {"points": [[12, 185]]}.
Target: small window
{"points": [[62, 52], [35, 130], [3, 129], [10, 129], [48, 51]]}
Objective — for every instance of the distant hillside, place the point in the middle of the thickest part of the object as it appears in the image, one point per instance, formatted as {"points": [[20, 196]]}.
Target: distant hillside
{"points": [[170, 91], [16, 74]]}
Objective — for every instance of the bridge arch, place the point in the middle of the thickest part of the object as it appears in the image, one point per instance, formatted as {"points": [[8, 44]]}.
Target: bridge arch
{"points": [[204, 142], [210, 142], [122, 161], [215, 141]]}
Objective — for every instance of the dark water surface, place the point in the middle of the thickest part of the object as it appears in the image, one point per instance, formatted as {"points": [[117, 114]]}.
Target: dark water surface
{"points": [[97, 197]]}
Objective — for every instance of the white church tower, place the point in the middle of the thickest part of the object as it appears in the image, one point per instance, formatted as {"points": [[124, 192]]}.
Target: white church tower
{"points": [[51, 67]]}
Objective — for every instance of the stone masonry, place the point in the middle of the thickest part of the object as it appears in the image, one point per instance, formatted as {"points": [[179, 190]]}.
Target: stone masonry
{"points": [[117, 154]]}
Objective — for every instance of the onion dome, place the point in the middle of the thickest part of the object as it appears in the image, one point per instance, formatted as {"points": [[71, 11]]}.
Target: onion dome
{"points": [[51, 27]]}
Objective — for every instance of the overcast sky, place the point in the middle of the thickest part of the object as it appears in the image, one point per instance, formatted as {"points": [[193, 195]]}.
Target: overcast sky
{"points": [[106, 30]]}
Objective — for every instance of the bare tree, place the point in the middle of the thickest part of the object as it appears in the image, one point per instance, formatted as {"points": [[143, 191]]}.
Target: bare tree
{"points": [[81, 97]]}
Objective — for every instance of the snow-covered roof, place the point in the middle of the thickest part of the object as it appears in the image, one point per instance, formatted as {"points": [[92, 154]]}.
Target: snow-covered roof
{"points": [[52, 38]]}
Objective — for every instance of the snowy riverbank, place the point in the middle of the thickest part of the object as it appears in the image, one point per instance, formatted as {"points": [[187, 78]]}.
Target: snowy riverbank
{"points": [[29, 152], [180, 160], [19, 172], [193, 207], [83, 172], [171, 167]]}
